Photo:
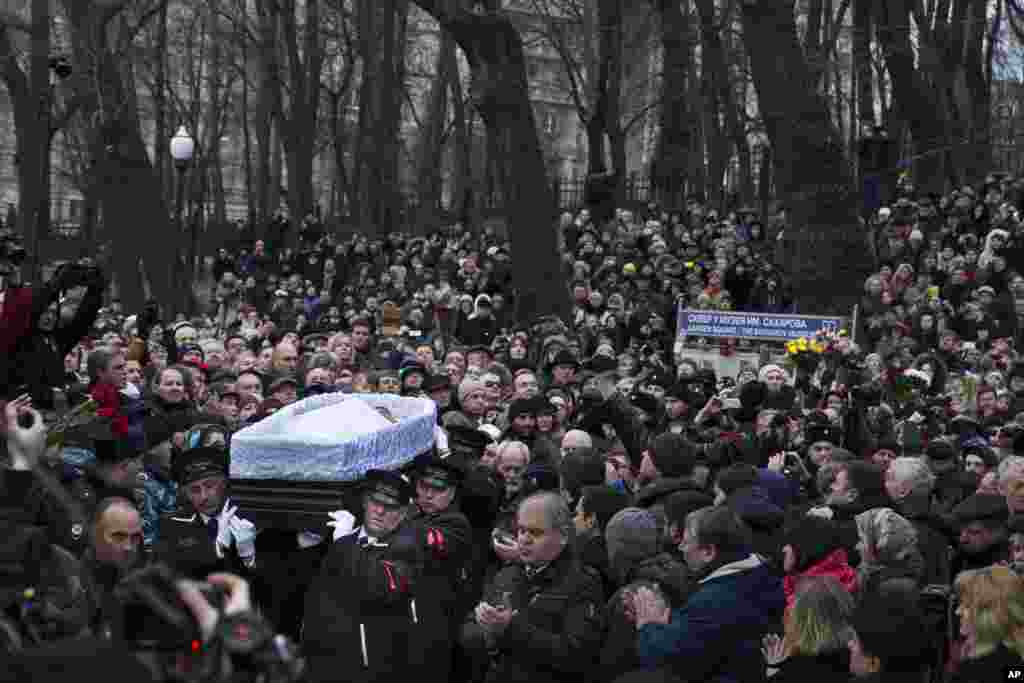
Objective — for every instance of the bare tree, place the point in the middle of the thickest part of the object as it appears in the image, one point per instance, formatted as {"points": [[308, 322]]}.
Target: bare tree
{"points": [[494, 50]]}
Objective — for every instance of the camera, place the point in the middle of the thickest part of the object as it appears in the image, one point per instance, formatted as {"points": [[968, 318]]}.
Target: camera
{"points": [[154, 617]]}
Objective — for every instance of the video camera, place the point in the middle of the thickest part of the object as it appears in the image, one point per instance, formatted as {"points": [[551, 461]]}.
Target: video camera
{"points": [[153, 615]]}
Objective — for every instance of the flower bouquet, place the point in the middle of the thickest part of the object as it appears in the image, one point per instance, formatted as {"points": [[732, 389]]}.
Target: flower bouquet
{"points": [[803, 355]]}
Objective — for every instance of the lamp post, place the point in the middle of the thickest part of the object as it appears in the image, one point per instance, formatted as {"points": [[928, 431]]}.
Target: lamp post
{"points": [[182, 149]]}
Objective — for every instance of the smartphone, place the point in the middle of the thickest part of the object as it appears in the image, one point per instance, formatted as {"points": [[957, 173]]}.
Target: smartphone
{"points": [[503, 538], [731, 404]]}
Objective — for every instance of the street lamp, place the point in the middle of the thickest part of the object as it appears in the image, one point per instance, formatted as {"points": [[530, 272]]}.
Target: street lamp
{"points": [[182, 149]]}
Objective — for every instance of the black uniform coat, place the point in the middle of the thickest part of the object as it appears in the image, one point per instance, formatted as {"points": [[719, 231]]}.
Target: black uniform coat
{"points": [[557, 632], [361, 615], [186, 545], [439, 584]]}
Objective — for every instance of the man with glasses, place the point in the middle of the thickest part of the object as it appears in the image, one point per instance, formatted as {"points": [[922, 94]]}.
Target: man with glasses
{"points": [[540, 619]]}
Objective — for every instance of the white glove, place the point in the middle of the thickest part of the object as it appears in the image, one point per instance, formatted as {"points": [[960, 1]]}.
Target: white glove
{"points": [[307, 539], [823, 511], [244, 533], [224, 537], [343, 522]]}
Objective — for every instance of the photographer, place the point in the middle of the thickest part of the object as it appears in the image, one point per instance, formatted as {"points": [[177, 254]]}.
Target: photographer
{"points": [[38, 329], [172, 631]]}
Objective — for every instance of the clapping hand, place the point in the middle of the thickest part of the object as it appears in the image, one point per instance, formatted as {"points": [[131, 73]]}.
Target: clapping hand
{"points": [[493, 619], [773, 649], [650, 608], [244, 533], [25, 444]]}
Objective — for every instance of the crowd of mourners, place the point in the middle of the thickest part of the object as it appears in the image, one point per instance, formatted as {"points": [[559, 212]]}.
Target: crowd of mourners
{"points": [[598, 504]]}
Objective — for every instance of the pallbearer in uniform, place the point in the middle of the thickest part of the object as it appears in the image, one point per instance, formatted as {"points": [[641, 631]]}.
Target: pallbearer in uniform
{"points": [[208, 535], [446, 537], [362, 616]]}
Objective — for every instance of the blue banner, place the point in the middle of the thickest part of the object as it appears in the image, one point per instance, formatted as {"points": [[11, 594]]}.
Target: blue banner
{"points": [[764, 326]]}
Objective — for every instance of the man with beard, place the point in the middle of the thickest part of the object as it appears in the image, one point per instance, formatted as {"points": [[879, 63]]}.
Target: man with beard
{"points": [[717, 634], [446, 536]]}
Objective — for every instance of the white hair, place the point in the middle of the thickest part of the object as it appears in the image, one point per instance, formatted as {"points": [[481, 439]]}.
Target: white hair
{"points": [[1011, 463], [506, 446], [914, 471]]}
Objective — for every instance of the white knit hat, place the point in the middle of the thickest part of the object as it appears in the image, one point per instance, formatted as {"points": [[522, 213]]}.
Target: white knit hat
{"points": [[762, 374]]}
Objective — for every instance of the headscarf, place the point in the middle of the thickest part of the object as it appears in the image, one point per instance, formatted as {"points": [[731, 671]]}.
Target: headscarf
{"points": [[893, 539]]}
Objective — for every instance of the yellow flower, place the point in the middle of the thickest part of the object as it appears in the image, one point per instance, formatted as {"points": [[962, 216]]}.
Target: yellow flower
{"points": [[791, 347], [817, 348], [801, 344]]}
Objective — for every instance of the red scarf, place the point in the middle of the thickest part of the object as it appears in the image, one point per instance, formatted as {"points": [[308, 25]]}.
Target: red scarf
{"points": [[834, 565], [109, 400]]}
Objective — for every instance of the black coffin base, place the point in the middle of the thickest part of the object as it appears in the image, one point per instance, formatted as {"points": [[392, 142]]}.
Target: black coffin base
{"points": [[293, 505]]}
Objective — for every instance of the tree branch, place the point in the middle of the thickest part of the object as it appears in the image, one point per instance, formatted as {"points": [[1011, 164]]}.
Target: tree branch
{"points": [[11, 20]]}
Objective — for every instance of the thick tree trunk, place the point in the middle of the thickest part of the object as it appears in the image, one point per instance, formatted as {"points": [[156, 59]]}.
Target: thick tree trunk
{"points": [[494, 51], [672, 167], [161, 164], [268, 104], [382, 52], [304, 64], [431, 137], [461, 147], [921, 102], [811, 173], [862, 71], [717, 102]]}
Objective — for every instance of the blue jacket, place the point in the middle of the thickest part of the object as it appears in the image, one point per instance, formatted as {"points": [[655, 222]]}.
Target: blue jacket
{"points": [[161, 499], [716, 636]]}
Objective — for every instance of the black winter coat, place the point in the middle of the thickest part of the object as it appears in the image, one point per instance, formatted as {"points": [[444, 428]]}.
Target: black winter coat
{"points": [[618, 654], [361, 613], [991, 667], [556, 632], [440, 583], [828, 667]]}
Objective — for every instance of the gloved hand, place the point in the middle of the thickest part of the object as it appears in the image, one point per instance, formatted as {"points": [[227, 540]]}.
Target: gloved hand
{"points": [[307, 539], [343, 522], [244, 533], [224, 535]]}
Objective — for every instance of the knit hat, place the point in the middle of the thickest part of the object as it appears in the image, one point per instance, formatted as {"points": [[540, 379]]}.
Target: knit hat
{"points": [[631, 536], [762, 374], [469, 386], [580, 470], [673, 455], [940, 450], [541, 477], [521, 407]]}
